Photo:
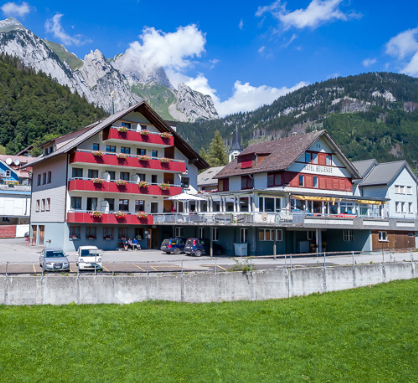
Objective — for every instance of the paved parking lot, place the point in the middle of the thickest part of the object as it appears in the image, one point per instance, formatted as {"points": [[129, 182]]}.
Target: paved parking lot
{"points": [[18, 258]]}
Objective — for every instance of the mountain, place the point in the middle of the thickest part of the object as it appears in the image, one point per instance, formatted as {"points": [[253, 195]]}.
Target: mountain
{"points": [[371, 115], [114, 83]]}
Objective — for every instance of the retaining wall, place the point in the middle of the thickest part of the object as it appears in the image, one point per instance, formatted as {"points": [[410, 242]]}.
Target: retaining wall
{"points": [[204, 287]]}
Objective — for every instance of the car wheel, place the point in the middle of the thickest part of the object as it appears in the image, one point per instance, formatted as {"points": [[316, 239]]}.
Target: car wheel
{"points": [[177, 251], [198, 253], [167, 252]]}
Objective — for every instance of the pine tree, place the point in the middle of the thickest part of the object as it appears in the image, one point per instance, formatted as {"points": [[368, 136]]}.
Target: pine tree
{"points": [[216, 155]]}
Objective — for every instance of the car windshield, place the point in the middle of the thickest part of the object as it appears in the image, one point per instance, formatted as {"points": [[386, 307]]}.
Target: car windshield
{"points": [[189, 242], [54, 254], [86, 252], [166, 242]]}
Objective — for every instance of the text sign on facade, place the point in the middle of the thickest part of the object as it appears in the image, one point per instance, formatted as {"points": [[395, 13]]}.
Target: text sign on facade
{"points": [[319, 169]]}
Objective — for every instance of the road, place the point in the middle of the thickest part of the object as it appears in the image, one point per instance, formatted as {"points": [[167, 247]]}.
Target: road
{"points": [[17, 258]]}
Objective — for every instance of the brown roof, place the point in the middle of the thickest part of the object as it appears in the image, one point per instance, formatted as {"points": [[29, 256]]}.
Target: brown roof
{"points": [[281, 154]]}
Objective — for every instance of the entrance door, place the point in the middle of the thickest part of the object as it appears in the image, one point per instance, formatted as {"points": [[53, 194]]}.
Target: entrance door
{"points": [[34, 233], [41, 234]]}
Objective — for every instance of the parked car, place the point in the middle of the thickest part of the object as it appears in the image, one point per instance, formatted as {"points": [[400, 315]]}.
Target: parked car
{"points": [[89, 258], [199, 247], [54, 260], [173, 245]]}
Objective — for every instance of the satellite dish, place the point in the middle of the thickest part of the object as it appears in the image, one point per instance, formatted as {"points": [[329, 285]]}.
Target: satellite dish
{"points": [[16, 162], [9, 161]]}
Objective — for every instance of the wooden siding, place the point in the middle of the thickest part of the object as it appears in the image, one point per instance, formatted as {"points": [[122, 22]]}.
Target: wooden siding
{"points": [[396, 240], [325, 182]]}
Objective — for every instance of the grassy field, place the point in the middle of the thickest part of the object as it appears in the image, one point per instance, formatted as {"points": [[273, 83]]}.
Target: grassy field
{"points": [[363, 335]]}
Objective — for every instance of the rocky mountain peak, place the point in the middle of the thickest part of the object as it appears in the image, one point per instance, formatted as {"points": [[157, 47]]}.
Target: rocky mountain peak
{"points": [[10, 24]]}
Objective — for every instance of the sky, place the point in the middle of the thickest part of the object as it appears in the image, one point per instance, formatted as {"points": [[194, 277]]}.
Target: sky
{"points": [[244, 54]]}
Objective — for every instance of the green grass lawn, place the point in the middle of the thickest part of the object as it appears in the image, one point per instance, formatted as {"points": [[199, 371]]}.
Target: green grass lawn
{"points": [[363, 335]]}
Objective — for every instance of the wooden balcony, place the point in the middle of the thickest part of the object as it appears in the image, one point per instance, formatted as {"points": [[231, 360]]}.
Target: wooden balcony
{"points": [[151, 139], [107, 219]]}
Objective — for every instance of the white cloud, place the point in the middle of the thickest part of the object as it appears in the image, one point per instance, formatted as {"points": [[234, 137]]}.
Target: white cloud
{"points": [[169, 50], [241, 24], [54, 26], [261, 49], [404, 44], [412, 67], [317, 13], [293, 38], [369, 62], [12, 9]]}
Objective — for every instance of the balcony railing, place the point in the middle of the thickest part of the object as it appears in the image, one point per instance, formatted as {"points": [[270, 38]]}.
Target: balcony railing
{"points": [[93, 184], [127, 160], [107, 218], [151, 138]]}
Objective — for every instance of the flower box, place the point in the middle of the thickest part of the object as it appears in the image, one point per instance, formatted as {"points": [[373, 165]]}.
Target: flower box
{"points": [[120, 214], [143, 158], [164, 186], [142, 214], [97, 181], [121, 182], [165, 135], [143, 184], [96, 214], [97, 153], [122, 129], [144, 132], [74, 237], [164, 160], [107, 238], [121, 156], [91, 237]]}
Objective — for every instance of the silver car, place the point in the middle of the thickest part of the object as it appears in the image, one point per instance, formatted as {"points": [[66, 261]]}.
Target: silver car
{"points": [[54, 260]]}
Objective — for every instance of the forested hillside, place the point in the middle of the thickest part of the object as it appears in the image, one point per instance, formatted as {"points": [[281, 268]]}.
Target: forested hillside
{"points": [[369, 115], [34, 108]]}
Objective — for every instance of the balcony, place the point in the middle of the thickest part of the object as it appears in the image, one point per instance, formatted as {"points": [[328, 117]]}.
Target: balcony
{"points": [[87, 184], [150, 139], [82, 216], [131, 161]]}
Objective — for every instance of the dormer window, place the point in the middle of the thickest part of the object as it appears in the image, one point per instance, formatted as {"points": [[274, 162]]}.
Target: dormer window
{"points": [[246, 161]]}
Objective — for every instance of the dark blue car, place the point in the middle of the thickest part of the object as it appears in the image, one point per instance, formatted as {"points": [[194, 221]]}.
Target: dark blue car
{"points": [[198, 247], [173, 245]]}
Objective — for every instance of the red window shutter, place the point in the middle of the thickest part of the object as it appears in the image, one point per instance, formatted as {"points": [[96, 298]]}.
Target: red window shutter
{"points": [[322, 183], [226, 184], [322, 159], [308, 182], [348, 184], [246, 161], [335, 185], [295, 181], [329, 184], [342, 184]]}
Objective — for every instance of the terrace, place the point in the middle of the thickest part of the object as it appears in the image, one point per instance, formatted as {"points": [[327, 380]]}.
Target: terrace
{"points": [[123, 134], [113, 218]]}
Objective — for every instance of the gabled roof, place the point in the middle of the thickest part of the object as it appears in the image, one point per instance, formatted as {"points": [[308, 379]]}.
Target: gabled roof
{"points": [[143, 108], [386, 173], [206, 178], [365, 166], [282, 153]]}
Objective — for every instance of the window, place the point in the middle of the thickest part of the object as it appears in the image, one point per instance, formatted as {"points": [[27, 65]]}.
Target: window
{"points": [[75, 232], [112, 174], [154, 153], [410, 207], [49, 178], [274, 179], [126, 150], [315, 182], [154, 207], [37, 205], [8, 174], [246, 182], [301, 181], [44, 179], [185, 182], [111, 202], [348, 236], [111, 148], [314, 158], [308, 158], [409, 190], [154, 179], [48, 204], [215, 234], [243, 235], [141, 176], [124, 176], [400, 207], [201, 232], [90, 232], [141, 152], [96, 146], [126, 125], [383, 236], [76, 203], [139, 205], [178, 232], [328, 160], [91, 204], [143, 127], [223, 185], [92, 173], [310, 235], [39, 179], [77, 173], [399, 189], [279, 235], [108, 233], [124, 205], [266, 234], [43, 205], [122, 232]]}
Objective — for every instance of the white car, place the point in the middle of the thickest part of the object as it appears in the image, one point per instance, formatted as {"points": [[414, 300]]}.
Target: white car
{"points": [[89, 258]]}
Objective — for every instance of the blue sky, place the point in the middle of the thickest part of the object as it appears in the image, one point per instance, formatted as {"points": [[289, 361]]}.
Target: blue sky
{"points": [[243, 53]]}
